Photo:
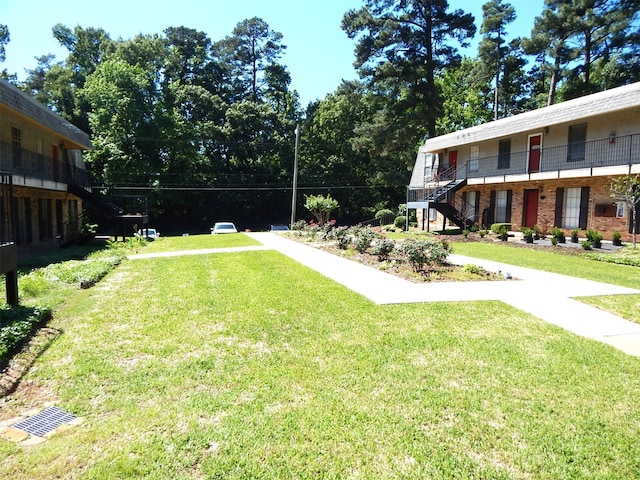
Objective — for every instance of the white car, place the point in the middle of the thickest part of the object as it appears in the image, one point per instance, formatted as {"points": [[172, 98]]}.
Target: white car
{"points": [[148, 233], [224, 227]]}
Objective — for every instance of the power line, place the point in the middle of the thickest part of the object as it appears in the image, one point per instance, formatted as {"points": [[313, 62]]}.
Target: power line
{"points": [[240, 189]]}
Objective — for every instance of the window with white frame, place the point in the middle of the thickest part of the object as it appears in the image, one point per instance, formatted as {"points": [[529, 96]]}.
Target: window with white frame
{"points": [[470, 205], [474, 155], [571, 208], [501, 215]]}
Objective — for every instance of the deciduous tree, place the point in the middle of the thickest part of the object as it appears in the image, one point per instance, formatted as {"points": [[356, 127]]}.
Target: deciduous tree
{"points": [[627, 189]]}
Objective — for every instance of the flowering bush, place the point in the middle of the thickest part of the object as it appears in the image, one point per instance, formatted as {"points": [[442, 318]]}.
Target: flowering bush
{"points": [[341, 236], [421, 252], [363, 238], [326, 229], [299, 225], [313, 229], [383, 248]]}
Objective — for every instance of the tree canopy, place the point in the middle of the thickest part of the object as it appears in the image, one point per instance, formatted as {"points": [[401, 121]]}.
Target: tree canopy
{"points": [[205, 127]]}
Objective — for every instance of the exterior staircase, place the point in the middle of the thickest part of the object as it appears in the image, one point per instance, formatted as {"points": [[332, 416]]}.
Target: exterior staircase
{"points": [[99, 201], [439, 199]]}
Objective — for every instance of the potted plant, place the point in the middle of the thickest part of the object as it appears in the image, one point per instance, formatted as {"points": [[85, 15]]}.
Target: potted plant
{"points": [[527, 234], [558, 234], [616, 238], [595, 238], [537, 232], [574, 235], [503, 233]]}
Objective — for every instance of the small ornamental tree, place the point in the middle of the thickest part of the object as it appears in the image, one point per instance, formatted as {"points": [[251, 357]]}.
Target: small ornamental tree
{"points": [[321, 207], [627, 189]]}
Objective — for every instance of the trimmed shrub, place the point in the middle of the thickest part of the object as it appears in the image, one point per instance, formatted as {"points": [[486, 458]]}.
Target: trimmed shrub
{"points": [[385, 216], [421, 252], [383, 248], [400, 222], [499, 228]]}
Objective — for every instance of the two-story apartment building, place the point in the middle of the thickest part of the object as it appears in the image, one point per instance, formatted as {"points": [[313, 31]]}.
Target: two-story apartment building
{"points": [[42, 174], [548, 167]]}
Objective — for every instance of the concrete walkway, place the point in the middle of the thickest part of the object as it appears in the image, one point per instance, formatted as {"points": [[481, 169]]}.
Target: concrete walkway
{"points": [[548, 296]]}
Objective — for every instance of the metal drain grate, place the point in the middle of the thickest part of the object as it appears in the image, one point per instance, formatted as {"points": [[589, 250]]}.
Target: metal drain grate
{"points": [[44, 422]]}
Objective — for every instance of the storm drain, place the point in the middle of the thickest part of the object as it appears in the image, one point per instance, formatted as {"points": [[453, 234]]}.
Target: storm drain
{"points": [[44, 422]]}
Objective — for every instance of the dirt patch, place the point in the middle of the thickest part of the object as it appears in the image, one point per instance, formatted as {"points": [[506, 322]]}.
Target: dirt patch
{"points": [[17, 395]]}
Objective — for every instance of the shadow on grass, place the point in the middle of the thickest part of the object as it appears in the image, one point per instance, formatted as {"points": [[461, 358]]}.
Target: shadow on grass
{"points": [[23, 338], [28, 262]]}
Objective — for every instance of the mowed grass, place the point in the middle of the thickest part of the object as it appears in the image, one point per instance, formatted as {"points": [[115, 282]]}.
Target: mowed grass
{"points": [[196, 242], [625, 306], [248, 365]]}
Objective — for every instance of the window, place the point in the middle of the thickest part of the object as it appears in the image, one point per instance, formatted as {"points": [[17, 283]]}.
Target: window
{"points": [[40, 154], [572, 207], [24, 221], [473, 158], [16, 142], [44, 219], [470, 206], [504, 154], [577, 143], [502, 204]]}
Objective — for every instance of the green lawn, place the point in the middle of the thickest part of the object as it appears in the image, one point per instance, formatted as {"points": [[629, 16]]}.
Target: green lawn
{"points": [[195, 242], [248, 365], [626, 306]]}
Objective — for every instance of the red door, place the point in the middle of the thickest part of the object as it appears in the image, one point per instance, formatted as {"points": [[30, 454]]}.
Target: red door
{"points": [[535, 144], [530, 208], [453, 163]]}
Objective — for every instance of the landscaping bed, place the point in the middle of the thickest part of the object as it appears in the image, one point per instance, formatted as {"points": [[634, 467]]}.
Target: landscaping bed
{"points": [[445, 272], [416, 258]]}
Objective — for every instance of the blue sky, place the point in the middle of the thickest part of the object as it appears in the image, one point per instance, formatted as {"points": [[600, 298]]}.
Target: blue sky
{"points": [[319, 54]]}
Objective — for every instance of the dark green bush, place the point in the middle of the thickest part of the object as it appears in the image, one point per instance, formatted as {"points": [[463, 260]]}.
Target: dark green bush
{"points": [[400, 222], [16, 326], [500, 228], [385, 215]]}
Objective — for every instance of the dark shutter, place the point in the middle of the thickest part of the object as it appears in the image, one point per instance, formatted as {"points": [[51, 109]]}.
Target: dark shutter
{"points": [[557, 219], [492, 208], [477, 208], [509, 201], [584, 207]]}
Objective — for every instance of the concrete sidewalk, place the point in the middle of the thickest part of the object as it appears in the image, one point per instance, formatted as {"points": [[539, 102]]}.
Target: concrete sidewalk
{"points": [[548, 296]]}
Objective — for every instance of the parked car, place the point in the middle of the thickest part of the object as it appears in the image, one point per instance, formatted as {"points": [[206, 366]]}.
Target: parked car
{"points": [[224, 227], [279, 228], [148, 233]]}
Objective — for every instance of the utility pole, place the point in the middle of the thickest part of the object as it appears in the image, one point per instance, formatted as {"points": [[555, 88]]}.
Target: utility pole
{"points": [[295, 177]]}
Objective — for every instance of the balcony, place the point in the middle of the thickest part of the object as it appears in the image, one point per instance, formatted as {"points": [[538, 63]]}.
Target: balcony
{"points": [[29, 164], [555, 162]]}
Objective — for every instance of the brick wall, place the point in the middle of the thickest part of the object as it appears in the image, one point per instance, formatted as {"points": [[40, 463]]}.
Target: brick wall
{"points": [[601, 208]]}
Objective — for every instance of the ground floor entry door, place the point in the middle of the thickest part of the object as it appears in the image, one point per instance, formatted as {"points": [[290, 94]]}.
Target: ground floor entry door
{"points": [[530, 208]]}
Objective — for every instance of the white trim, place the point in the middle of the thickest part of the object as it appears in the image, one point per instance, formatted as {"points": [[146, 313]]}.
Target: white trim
{"points": [[617, 99]]}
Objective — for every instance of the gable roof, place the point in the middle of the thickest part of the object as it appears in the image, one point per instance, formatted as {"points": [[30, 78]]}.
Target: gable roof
{"points": [[620, 98], [15, 99]]}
